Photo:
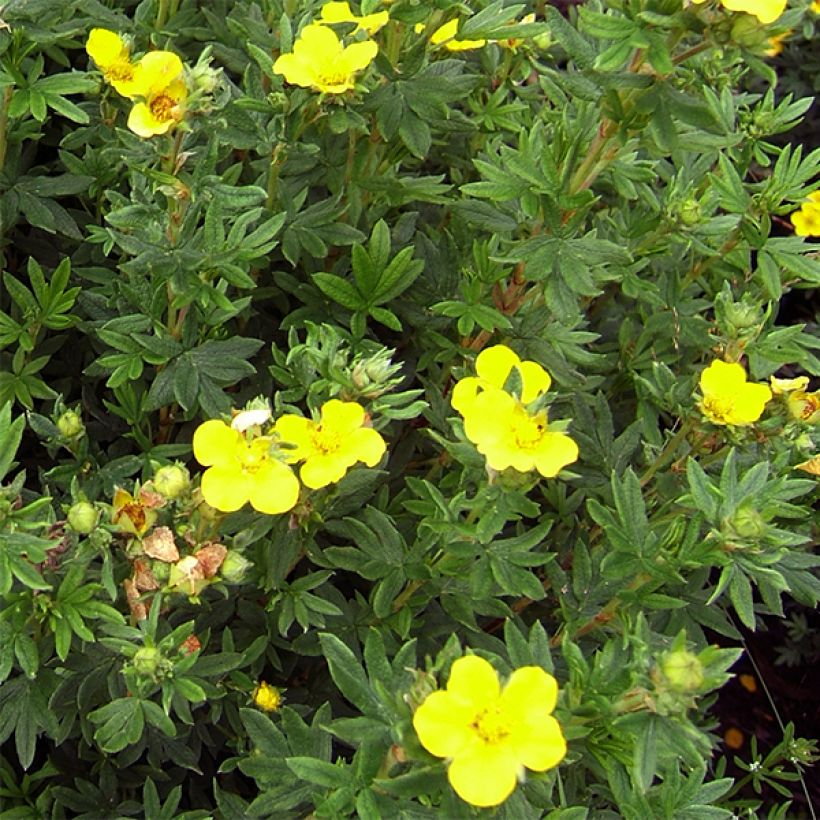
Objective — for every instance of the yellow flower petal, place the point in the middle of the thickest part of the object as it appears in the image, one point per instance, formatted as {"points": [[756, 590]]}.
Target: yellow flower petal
{"points": [[105, 47], [464, 393], [554, 452], [275, 489], [357, 56], [529, 690], [156, 71], [473, 681], [316, 42], [486, 776], [295, 70], [781, 386], [226, 487], [536, 381], [442, 724], [721, 377], [494, 364], [215, 443], [336, 12], [340, 418], [298, 432], [539, 745], [367, 445], [320, 470], [766, 11]]}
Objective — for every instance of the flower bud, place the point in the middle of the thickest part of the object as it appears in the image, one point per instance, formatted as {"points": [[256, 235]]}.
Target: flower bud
{"points": [[149, 662], [690, 212], [161, 571], [746, 522], [748, 33], [234, 567], [171, 480], [683, 671], [83, 517], [70, 425]]}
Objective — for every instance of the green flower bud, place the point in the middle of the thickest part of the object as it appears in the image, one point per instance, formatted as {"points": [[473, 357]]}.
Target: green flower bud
{"points": [[690, 212], [161, 571], [542, 41], [171, 480], [683, 671], [149, 662], [748, 33], [234, 567], [746, 522], [70, 425], [83, 517]]}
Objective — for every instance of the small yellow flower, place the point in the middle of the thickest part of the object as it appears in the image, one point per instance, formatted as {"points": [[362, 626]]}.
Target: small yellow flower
{"points": [[815, 7], [766, 11], [783, 386], [242, 470], [320, 61], [490, 734], [512, 43], [134, 515], [159, 81], [340, 12], [331, 446], [804, 406], [267, 697], [776, 43], [728, 399], [501, 426], [806, 221], [113, 57], [444, 36]]}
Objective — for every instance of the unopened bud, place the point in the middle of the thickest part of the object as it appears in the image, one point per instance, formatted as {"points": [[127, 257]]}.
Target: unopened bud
{"points": [[683, 671], [234, 567], [746, 522], [171, 480], [70, 425], [148, 662], [83, 517]]}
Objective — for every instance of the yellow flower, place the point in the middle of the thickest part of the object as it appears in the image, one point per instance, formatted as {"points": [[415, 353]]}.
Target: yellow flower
{"points": [[513, 43], [331, 446], [776, 43], [501, 426], [242, 470], [806, 221], [489, 733], [159, 80], [267, 697], [135, 515], [804, 406], [766, 11], [320, 61], [815, 7], [444, 36], [338, 12], [113, 57], [728, 399]]}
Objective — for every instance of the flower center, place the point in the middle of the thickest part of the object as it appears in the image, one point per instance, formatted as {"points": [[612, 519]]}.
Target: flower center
{"points": [[119, 71], [254, 454], [718, 407], [163, 108], [491, 725], [333, 75], [527, 430], [326, 441]]}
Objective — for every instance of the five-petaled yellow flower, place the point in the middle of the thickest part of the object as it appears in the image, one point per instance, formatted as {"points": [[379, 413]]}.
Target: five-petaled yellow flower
{"points": [[490, 734], [444, 36], [113, 57], [728, 399], [159, 77], [242, 470], [320, 61], [806, 221], [331, 446], [502, 425], [340, 12], [267, 697], [766, 11]]}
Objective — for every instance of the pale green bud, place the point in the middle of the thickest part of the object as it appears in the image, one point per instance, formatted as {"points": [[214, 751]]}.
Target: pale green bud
{"points": [[83, 517], [683, 671]]}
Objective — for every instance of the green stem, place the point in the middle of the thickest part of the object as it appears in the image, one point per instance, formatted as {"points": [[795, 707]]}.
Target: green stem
{"points": [[277, 157], [163, 9], [668, 451], [5, 99]]}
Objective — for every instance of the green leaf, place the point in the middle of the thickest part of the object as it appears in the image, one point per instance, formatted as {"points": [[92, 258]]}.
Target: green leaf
{"points": [[320, 772], [348, 674], [340, 291]]}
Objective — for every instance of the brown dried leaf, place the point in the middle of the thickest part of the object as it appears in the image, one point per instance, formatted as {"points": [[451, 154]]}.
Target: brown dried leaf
{"points": [[160, 545], [139, 611], [144, 579], [210, 558]]}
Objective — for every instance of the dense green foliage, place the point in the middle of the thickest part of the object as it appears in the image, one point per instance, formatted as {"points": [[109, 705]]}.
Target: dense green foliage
{"points": [[603, 195]]}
